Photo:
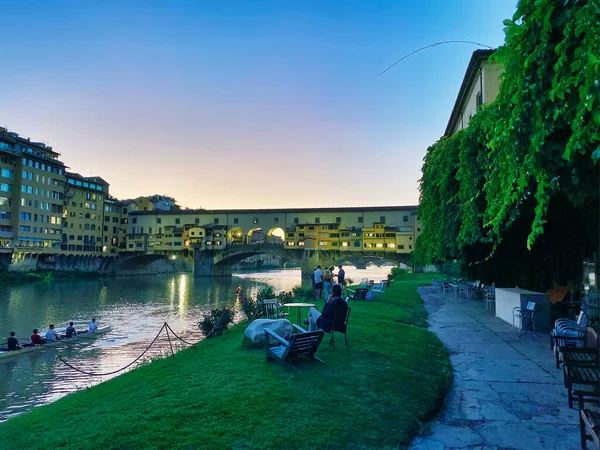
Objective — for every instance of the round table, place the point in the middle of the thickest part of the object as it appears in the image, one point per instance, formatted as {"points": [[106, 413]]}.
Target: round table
{"points": [[299, 306]]}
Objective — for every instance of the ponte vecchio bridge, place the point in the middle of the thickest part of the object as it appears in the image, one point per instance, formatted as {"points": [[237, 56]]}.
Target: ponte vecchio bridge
{"points": [[217, 239]]}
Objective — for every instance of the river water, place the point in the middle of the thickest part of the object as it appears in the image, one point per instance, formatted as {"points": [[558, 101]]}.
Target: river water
{"points": [[134, 307]]}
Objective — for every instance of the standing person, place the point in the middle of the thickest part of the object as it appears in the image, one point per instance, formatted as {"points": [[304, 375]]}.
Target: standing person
{"points": [[93, 325], [70, 331], [36, 339], [341, 276], [51, 335], [13, 343], [328, 281], [318, 282]]}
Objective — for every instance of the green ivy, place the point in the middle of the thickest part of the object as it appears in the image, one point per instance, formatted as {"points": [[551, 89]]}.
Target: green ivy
{"points": [[540, 137]]}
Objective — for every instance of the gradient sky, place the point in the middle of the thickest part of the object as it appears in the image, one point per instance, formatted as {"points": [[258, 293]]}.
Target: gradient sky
{"points": [[241, 104]]}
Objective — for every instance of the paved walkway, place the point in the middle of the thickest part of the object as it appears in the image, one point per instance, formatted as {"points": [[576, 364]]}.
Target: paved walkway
{"points": [[506, 393]]}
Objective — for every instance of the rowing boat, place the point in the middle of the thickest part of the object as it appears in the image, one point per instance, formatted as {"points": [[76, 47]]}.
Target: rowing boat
{"points": [[79, 337]]}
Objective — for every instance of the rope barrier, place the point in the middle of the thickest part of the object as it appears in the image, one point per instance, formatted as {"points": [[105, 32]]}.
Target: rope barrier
{"points": [[166, 327], [114, 371]]}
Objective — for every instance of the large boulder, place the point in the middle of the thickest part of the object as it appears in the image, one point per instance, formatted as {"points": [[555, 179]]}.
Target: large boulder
{"points": [[255, 331]]}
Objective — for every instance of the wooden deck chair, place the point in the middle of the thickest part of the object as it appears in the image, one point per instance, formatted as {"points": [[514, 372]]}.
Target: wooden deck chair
{"points": [[303, 343]]}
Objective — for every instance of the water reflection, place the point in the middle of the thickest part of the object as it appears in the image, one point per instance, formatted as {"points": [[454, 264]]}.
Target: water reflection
{"points": [[135, 308]]}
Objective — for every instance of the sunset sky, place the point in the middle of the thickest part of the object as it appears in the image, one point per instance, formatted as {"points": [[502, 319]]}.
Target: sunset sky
{"points": [[241, 104]]}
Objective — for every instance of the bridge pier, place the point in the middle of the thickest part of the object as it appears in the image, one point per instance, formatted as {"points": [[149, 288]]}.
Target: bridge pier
{"points": [[205, 266], [313, 258]]}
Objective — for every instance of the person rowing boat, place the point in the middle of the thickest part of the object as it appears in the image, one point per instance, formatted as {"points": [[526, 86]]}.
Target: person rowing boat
{"points": [[93, 325], [12, 343], [70, 331], [36, 339]]}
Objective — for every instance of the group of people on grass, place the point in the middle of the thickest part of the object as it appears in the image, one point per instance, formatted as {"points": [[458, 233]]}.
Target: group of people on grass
{"points": [[50, 337], [322, 280]]}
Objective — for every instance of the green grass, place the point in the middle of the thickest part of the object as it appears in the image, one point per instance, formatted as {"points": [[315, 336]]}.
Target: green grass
{"points": [[374, 394]]}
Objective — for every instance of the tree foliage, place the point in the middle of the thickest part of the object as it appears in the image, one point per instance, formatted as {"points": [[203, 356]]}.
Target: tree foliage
{"points": [[538, 140]]}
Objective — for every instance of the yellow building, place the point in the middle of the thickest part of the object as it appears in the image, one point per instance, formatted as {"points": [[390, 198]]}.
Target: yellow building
{"points": [[31, 196], [115, 226], [480, 85], [370, 229], [83, 231]]}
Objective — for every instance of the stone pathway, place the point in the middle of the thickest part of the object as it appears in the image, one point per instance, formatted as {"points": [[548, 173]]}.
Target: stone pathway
{"points": [[506, 392]]}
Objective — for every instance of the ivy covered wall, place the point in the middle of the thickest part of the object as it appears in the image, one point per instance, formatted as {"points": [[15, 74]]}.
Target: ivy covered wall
{"points": [[515, 195]]}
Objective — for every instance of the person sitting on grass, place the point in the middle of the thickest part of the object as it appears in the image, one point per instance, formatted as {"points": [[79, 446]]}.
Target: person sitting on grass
{"points": [[324, 320]]}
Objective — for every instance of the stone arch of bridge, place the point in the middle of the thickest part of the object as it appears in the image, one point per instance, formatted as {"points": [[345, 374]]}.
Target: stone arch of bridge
{"points": [[235, 235], [250, 232]]}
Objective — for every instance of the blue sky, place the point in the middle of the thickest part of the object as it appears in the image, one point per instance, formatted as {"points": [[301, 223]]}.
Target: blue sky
{"points": [[241, 104]]}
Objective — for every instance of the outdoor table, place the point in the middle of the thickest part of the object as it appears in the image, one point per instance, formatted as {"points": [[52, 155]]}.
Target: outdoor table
{"points": [[299, 306]]}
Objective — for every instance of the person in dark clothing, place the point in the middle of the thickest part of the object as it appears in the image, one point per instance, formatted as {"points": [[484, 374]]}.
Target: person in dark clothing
{"points": [[324, 320], [13, 343], [341, 276], [70, 331]]}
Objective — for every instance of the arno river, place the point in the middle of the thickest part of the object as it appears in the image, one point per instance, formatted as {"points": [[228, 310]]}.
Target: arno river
{"points": [[135, 308]]}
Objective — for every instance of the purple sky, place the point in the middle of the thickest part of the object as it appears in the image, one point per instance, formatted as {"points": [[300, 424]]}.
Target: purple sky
{"points": [[241, 104]]}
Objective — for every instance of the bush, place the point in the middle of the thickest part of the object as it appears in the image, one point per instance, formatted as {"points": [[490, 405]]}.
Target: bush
{"points": [[266, 292], [398, 273], [215, 323], [301, 293], [249, 307]]}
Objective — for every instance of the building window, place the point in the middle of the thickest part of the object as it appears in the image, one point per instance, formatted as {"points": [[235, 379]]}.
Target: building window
{"points": [[405, 218], [177, 221], [276, 220], [296, 221], [317, 220], [338, 220], [159, 220], [216, 220], [255, 220], [418, 229], [134, 220], [382, 219], [196, 221], [236, 220], [479, 99], [5, 187], [360, 219]]}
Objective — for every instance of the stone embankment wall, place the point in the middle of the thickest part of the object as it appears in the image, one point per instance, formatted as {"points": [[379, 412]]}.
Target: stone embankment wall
{"points": [[122, 265]]}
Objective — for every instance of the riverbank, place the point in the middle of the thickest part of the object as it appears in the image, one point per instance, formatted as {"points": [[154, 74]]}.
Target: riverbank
{"points": [[373, 394], [47, 275]]}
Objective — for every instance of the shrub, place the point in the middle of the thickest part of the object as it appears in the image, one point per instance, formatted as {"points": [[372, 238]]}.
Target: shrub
{"points": [[266, 292], [249, 307], [398, 273], [215, 322]]}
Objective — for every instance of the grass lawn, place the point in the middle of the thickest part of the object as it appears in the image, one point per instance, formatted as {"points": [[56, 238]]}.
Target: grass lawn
{"points": [[220, 395]]}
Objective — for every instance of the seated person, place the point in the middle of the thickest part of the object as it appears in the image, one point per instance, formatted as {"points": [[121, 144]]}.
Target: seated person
{"points": [[36, 339], [324, 320], [51, 335], [13, 343], [70, 331], [93, 325]]}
